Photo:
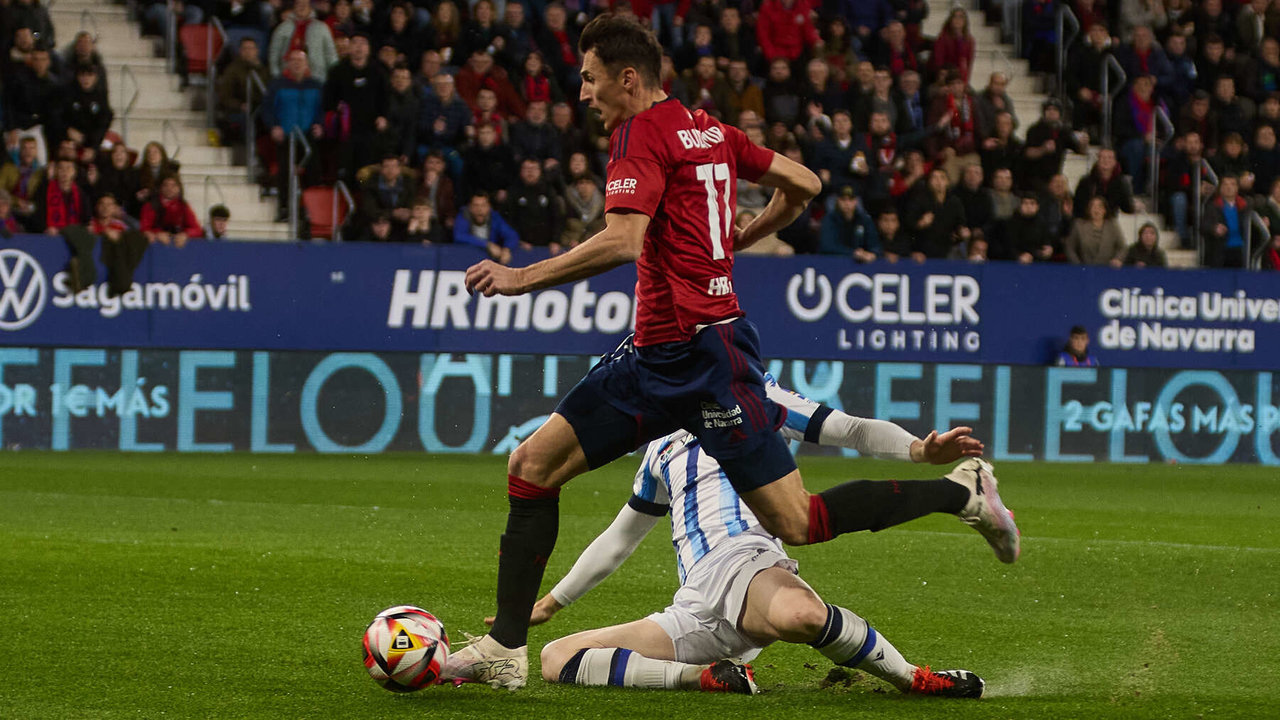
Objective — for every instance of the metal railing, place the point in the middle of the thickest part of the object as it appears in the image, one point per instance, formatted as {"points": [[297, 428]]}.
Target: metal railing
{"points": [[1065, 17], [1255, 221], [1159, 121], [126, 75], [210, 182], [1010, 70], [170, 37], [340, 191], [251, 114], [1198, 179], [87, 15], [296, 138], [1110, 66], [167, 131], [211, 71], [1017, 26]]}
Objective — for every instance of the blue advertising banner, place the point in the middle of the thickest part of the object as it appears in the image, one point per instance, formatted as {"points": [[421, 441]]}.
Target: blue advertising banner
{"points": [[409, 298], [358, 402]]}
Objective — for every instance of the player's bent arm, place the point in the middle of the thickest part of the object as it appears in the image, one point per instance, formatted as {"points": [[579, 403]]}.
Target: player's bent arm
{"points": [[886, 440], [619, 243], [817, 423], [877, 438], [795, 185], [605, 554]]}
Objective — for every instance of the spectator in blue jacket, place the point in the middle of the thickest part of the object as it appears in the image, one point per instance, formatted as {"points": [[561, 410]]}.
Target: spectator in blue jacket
{"points": [[479, 225], [292, 103], [1185, 75], [849, 230]]}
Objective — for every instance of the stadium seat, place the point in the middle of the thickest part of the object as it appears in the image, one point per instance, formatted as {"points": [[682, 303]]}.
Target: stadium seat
{"points": [[195, 42], [318, 203]]}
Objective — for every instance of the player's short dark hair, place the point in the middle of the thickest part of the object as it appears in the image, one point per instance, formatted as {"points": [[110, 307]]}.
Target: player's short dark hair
{"points": [[620, 43], [1078, 330]]}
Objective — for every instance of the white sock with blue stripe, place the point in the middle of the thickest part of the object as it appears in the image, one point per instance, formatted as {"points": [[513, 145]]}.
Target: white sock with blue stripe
{"points": [[849, 641], [624, 668]]}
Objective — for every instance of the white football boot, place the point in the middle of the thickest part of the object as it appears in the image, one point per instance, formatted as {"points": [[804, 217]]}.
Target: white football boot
{"points": [[985, 512], [485, 660]]}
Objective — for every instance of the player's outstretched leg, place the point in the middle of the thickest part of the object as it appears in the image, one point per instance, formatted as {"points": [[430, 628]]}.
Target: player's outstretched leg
{"points": [[620, 667], [485, 660], [781, 606], [985, 511], [536, 470], [849, 641], [594, 657], [798, 517]]}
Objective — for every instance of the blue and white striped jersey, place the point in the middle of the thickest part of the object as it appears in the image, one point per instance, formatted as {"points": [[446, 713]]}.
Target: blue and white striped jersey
{"points": [[678, 477]]}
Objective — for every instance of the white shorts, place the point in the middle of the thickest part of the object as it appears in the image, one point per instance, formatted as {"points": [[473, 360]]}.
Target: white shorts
{"points": [[702, 620]]}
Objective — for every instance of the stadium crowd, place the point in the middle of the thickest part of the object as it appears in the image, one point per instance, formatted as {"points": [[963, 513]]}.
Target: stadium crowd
{"points": [[458, 121]]}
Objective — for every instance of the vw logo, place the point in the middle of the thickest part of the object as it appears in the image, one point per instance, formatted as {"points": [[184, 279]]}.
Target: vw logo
{"points": [[23, 289]]}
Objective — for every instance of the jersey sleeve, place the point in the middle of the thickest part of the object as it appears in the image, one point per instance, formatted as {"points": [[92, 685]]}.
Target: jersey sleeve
{"points": [[636, 173], [804, 416], [649, 491], [753, 160]]}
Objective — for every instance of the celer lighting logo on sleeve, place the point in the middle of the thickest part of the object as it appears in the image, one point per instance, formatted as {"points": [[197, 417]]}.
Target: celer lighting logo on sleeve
{"points": [[23, 289]]}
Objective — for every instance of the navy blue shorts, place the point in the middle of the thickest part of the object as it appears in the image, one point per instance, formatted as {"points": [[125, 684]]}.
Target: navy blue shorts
{"points": [[711, 385]]}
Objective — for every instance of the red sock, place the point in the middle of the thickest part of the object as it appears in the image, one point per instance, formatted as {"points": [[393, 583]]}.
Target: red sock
{"points": [[518, 488], [819, 521]]}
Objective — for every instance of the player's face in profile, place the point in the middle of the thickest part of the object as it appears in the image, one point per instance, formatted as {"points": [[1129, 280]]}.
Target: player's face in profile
{"points": [[602, 91]]}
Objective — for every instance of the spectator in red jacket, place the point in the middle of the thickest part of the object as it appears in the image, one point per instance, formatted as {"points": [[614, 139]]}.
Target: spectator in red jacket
{"points": [[482, 72], [168, 219], [62, 199], [785, 29], [954, 46]]}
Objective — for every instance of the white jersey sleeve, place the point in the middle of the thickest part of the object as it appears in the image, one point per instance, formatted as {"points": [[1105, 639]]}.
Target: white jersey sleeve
{"points": [[817, 423], [605, 554], [649, 493]]}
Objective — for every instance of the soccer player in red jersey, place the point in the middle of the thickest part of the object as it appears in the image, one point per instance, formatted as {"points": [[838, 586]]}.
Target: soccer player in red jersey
{"points": [[694, 361]]}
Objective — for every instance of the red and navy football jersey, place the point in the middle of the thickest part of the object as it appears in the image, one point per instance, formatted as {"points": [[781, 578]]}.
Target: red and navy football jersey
{"points": [[681, 169]]}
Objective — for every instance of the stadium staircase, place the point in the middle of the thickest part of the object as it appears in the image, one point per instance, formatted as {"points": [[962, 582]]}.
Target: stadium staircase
{"points": [[991, 55], [150, 105]]}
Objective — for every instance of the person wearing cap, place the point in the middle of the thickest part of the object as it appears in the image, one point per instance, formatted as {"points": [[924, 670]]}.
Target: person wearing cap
{"points": [[849, 230], [219, 216], [356, 91], [86, 114], [1047, 142], [1026, 234], [299, 29]]}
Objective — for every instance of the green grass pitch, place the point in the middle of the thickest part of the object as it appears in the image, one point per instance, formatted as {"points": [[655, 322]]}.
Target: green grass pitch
{"points": [[139, 586]]}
